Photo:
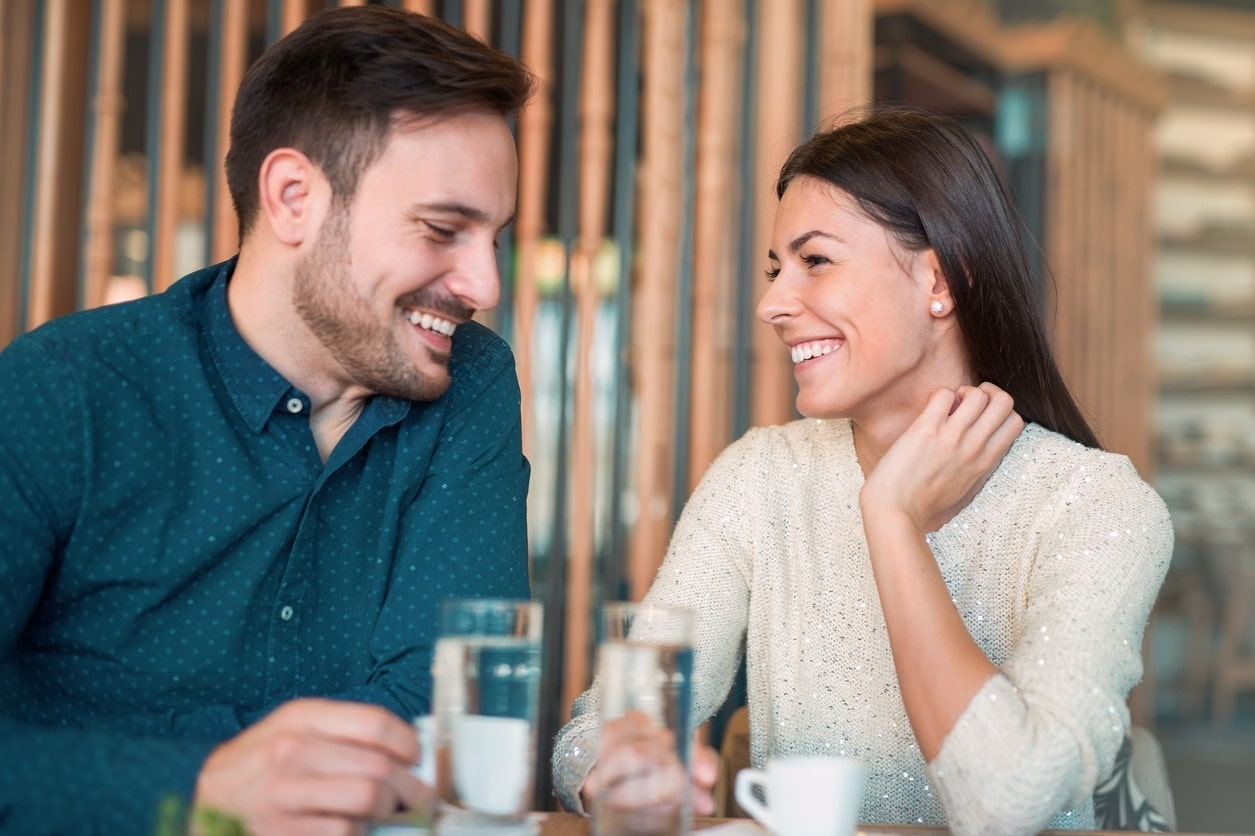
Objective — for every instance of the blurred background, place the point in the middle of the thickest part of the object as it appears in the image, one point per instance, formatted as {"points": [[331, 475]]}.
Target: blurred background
{"points": [[1125, 128]]}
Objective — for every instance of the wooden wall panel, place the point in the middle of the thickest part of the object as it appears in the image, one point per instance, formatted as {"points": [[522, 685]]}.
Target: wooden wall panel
{"points": [[718, 194], [779, 130], [107, 104], [59, 165], [170, 147], [17, 20], [223, 226], [660, 218], [596, 144]]}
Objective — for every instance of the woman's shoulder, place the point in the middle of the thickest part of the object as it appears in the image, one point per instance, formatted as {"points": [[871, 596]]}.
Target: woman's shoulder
{"points": [[1080, 475]]}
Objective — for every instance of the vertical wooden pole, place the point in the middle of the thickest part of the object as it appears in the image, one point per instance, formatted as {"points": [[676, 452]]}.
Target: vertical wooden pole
{"points": [[107, 106], [845, 62], [779, 115], [16, 25], [718, 192], [534, 128], [51, 135], [477, 18], [596, 142], [224, 228], [169, 152], [661, 199]]}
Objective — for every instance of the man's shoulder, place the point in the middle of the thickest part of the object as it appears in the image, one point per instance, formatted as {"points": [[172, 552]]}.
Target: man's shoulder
{"points": [[150, 318], [478, 356]]}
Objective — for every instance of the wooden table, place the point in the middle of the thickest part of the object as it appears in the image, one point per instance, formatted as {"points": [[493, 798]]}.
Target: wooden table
{"points": [[570, 824]]}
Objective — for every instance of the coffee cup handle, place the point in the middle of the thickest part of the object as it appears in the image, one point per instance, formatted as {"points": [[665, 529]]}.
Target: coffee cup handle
{"points": [[746, 780]]}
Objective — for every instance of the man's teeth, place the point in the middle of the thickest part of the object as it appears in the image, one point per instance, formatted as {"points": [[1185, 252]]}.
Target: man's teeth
{"points": [[805, 351], [432, 323]]}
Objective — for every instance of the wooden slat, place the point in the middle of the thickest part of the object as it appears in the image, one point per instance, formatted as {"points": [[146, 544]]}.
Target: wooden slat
{"points": [[16, 22], [224, 227], [425, 7], [534, 126], [718, 191], [653, 337], [169, 151], [107, 105], [43, 238], [596, 144], [477, 18], [845, 50], [779, 111], [292, 13], [1060, 162]]}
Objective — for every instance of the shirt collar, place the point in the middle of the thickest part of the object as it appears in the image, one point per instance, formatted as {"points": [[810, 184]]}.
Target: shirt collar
{"points": [[252, 383], [257, 390]]}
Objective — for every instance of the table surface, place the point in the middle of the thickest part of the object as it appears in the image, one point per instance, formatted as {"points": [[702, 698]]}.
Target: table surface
{"points": [[570, 824]]}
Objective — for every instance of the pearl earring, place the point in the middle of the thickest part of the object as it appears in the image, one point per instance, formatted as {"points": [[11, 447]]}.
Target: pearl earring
{"points": [[937, 308]]}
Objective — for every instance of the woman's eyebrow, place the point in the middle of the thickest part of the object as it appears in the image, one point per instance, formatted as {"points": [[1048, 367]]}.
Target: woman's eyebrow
{"points": [[800, 241]]}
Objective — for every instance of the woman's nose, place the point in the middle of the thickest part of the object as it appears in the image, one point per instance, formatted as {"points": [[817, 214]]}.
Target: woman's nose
{"points": [[777, 304]]}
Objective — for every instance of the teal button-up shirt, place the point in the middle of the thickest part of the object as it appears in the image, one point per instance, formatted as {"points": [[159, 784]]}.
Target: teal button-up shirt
{"points": [[176, 560]]}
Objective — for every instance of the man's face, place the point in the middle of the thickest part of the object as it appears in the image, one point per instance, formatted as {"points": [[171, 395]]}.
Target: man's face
{"points": [[413, 256]]}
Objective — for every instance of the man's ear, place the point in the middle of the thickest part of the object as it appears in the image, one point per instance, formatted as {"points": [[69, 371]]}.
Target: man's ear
{"points": [[291, 193]]}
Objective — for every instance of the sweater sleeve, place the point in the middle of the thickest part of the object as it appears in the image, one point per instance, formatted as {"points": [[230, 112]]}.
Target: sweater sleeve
{"points": [[707, 570], [1038, 736]]}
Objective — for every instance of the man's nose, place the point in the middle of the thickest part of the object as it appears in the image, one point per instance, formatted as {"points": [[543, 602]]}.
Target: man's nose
{"points": [[477, 280]]}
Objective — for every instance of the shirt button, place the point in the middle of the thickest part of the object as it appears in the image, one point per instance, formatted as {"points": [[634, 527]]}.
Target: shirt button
{"points": [[295, 405], [286, 613]]}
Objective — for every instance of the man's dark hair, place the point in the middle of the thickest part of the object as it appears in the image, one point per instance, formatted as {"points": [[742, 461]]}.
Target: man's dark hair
{"points": [[335, 86], [927, 181]]}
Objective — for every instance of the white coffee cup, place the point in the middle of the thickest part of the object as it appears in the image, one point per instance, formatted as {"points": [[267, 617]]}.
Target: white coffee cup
{"points": [[806, 796], [492, 763], [425, 769]]}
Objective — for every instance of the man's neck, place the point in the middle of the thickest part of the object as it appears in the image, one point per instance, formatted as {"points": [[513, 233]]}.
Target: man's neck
{"points": [[259, 298]]}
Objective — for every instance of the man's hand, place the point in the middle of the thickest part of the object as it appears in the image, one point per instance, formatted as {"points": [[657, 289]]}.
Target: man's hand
{"points": [[638, 771], [312, 767]]}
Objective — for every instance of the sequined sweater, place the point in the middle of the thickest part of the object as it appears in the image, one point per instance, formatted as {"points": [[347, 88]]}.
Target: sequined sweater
{"points": [[1054, 567]]}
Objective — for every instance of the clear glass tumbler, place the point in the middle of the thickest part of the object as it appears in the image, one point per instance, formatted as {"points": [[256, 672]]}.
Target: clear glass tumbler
{"points": [[644, 669], [487, 676]]}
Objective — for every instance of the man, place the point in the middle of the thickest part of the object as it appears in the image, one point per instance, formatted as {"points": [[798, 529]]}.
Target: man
{"points": [[228, 513]]}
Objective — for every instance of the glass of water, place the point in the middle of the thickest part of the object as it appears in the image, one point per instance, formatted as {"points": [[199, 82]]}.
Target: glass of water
{"points": [[644, 669], [487, 678]]}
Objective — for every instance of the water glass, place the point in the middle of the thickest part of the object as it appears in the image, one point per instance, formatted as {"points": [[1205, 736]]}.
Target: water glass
{"points": [[487, 678], [645, 665]]}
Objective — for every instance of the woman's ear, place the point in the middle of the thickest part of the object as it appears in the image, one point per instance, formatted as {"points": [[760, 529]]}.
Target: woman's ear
{"points": [[940, 302], [291, 191]]}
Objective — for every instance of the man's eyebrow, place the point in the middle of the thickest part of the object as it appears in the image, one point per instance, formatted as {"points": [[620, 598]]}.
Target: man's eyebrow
{"points": [[471, 213]]}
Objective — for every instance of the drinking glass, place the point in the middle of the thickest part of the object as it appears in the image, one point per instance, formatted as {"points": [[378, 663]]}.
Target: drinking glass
{"points": [[645, 665], [487, 678]]}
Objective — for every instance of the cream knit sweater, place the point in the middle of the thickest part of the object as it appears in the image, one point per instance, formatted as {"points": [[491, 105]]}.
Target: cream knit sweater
{"points": [[1054, 567]]}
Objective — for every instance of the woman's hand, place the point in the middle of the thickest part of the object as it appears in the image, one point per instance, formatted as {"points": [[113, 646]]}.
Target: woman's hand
{"points": [[638, 772], [945, 455]]}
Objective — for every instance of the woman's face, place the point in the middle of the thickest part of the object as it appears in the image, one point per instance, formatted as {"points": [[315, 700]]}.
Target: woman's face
{"points": [[853, 307]]}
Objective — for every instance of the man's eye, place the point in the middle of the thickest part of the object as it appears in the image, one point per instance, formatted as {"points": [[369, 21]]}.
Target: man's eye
{"points": [[441, 231]]}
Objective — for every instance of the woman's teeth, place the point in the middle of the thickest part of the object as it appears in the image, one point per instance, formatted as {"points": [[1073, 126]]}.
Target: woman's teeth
{"points": [[431, 323], [805, 351]]}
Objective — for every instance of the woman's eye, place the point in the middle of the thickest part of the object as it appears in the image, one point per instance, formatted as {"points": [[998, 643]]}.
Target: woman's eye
{"points": [[771, 273], [815, 260]]}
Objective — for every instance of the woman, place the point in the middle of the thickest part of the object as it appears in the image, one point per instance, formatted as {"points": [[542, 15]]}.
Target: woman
{"points": [[943, 576]]}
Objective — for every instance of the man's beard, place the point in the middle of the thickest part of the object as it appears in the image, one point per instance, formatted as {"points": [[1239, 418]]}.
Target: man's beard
{"points": [[327, 301]]}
